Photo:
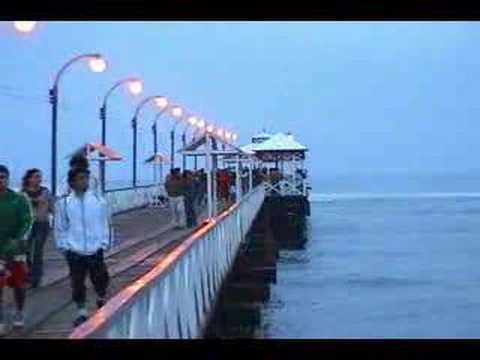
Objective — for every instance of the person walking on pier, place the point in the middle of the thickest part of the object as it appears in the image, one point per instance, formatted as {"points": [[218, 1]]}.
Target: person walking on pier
{"points": [[223, 187], [202, 188], [16, 221], [83, 233], [189, 190], [42, 203], [174, 185]]}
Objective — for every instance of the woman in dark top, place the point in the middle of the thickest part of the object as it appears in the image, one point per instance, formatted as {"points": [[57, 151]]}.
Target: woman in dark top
{"points": [[42, 204]]}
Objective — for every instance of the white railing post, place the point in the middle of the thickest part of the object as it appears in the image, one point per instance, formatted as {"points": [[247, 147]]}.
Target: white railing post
{"points": [[250, 176], [238, 183], [208, 159]]}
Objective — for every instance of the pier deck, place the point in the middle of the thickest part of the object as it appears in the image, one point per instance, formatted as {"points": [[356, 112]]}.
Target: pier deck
{"points": [[141, 238]]}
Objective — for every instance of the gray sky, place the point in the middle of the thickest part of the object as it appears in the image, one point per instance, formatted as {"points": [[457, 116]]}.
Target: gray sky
{"points": [[365, 97]]}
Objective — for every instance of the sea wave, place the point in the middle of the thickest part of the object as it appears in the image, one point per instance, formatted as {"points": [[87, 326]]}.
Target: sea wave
{"points": [[319, 197]]}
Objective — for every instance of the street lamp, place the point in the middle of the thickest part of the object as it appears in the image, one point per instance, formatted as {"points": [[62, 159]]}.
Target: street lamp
{"points": [[191, 122], [199, 128], [135, 87], [177, 112], [162, 103], [157, 100], [97, 64], [201, 124], [24, 26], [210, 128]]}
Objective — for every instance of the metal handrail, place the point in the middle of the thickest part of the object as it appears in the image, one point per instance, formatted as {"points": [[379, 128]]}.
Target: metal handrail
{"points": [[131, 188]]}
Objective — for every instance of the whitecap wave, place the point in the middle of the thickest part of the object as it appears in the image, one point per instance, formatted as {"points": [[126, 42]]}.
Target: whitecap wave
{"points": [[366, 196]]}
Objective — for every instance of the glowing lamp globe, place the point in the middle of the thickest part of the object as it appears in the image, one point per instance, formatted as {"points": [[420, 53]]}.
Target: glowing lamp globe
{"points": [[177, 112], [192, 120], [98, 64], [161, 102], [25, 26], [135, 87], [201, 124]]}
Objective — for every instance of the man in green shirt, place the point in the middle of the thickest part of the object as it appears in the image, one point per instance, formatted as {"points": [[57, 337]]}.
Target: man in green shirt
{"points": [[16, 221]]}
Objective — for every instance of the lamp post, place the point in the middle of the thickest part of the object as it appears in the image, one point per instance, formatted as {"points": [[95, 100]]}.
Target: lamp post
{"points": [[135, 87], [159, 101], [191, 122], [97, 64], [177, 113], [200, 128], [162, 104], [212, 145]]}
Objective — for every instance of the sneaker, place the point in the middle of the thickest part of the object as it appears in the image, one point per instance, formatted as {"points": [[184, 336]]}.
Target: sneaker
{"points": [[18, 320], [3, 329], [79, 320]]}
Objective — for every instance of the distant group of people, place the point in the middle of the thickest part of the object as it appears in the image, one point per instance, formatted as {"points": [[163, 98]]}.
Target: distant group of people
{"points": [[186, 192], [263, 174], [82, 232]]}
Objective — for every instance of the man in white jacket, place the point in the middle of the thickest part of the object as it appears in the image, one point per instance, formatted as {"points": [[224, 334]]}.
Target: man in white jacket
{"points": [[83, 233]]}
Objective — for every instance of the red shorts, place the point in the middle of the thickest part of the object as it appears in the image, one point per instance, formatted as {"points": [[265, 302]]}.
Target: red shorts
{"points": [[16, 275]]}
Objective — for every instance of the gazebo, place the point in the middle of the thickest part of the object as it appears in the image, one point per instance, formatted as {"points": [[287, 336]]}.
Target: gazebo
{"points": [[281, 151]]}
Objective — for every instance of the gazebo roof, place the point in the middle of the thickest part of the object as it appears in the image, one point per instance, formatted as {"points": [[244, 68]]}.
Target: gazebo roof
{"points": [[280, 142], [157, 159], [249, 148], [261, 135], [196, 143], [94, 151]]}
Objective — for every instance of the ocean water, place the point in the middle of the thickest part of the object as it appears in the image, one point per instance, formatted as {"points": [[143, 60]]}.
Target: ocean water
{"points": [[381, 266]]}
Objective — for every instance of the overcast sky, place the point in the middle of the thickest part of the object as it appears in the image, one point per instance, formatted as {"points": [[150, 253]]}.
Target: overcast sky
{"points": [[365, 97]]}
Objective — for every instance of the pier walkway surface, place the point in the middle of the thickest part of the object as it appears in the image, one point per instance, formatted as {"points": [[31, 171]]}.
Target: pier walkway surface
{"points": [[142, 237]]}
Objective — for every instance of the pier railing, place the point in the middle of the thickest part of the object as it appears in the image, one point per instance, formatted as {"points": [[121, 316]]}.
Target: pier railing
{"points": [[175, 299], [291, 186], [130, 198]]}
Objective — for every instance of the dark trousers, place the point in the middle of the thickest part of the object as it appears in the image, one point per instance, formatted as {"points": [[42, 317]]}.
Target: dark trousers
{"points": [[80, 266], [36, 244], [190, 211]]}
